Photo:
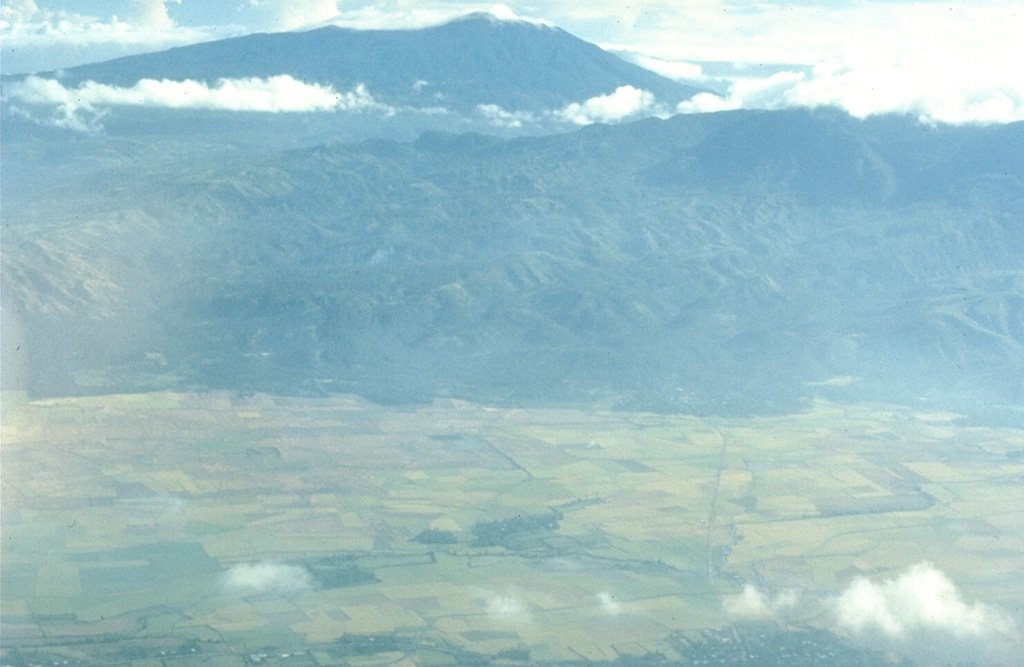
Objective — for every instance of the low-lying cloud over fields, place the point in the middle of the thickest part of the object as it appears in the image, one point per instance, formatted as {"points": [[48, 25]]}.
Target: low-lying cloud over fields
{"points": [[267, 578], [919, 613], [923, 614], [754, 603]]}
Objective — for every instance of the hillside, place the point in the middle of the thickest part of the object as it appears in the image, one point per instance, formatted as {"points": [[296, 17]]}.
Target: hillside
{"points": [[732, 262]]}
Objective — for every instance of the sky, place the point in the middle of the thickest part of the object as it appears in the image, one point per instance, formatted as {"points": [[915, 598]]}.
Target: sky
{"points": [[945, 61]]}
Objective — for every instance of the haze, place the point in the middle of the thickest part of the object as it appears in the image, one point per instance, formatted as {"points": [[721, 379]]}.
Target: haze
{"points": [[654, 334]]}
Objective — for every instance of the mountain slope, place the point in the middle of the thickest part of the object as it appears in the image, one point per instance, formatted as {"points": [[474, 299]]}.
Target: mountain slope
{"points": [[688, 264], [509, 78], [474, 60]]}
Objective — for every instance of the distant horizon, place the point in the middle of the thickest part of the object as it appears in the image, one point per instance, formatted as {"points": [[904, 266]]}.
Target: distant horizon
{"points": [[945, 62]]}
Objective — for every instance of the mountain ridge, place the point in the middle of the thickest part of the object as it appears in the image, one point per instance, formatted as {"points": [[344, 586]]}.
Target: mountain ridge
{"points": [[547, 269]]}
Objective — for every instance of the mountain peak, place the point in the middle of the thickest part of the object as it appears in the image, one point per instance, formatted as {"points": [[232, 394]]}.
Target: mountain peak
{"points": [[483, 58], [498, 14], [501, 13]]}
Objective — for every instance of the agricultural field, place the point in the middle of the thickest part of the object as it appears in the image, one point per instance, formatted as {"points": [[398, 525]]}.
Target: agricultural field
{"points": [[226, 530]]}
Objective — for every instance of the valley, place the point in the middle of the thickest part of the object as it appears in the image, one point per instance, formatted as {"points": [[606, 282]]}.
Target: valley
{"points": [[155, 528]]}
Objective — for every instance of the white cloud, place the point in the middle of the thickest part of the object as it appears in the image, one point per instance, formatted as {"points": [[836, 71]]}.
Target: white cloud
{"points": [[402, 17], [263, 578], [921, 612], [954, 94], [503, 13], [280, 15], [752, 603], [151, 12], [754, 93], [921, 597], [799, 33], [673, 69], [942, 89], [18, 10], [942, 62], [82, 107], [609, 604], [507, 608], [499, 117], [626, 102], [399, 15], [39, 40]]}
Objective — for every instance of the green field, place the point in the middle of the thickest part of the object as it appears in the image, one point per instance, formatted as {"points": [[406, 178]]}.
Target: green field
{"points": [[608, 534]]}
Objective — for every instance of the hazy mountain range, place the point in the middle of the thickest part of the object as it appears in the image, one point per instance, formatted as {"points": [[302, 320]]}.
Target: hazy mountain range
{"points": [[731, 262]]}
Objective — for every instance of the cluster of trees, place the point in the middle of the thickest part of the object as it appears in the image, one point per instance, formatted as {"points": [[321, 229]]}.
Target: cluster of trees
{"points": [[339, 571], [509, 532], [432, 536]]}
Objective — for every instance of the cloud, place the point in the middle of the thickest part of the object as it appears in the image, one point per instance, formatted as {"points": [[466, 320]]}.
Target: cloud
{"points": [[609, 604], [16, 11], [626, 102], [673, 69], [753, 93], [151, 12], [280, 15], [36, 40], [507, 608], [385, 16], [392, 15], [302, 14], [503, 13], [752, 603], [941, 90], [921, 613], [267, 578], [499, 117], [800, 33], [952, 95], [942, 63], [81, 108]]}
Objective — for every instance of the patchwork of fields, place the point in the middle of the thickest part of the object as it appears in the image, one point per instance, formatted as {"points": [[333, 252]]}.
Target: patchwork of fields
{"points": [[150, 529]]}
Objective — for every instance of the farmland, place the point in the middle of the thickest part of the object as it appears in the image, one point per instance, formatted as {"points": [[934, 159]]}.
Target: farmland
{"points": [[456, 533]]}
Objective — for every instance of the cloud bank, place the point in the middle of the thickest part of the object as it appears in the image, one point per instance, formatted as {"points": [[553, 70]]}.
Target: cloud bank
{"points": [[267, 578], [951, 94], [81, 107], [922, 614]]}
